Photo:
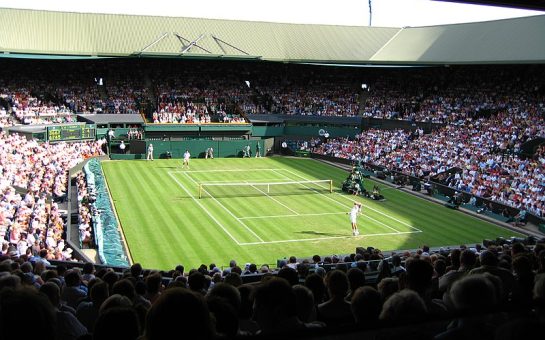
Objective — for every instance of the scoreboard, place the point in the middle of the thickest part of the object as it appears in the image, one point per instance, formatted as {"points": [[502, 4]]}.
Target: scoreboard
{"points": [[71, 132]]}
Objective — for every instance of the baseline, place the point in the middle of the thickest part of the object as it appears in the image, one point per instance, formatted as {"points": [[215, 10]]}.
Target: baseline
{"points": [[219, 170], [327, 238]]}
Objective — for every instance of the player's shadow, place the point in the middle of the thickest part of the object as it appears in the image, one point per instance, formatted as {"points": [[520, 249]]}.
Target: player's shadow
{"points": [[318, 233], [180, 198]]}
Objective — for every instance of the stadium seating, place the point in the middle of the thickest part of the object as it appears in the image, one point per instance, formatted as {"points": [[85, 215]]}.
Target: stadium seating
{"points": [[414, 278]]}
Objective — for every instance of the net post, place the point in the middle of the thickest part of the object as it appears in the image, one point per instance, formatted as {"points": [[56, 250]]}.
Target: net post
{"points": [[330, 186], [200, 191]]}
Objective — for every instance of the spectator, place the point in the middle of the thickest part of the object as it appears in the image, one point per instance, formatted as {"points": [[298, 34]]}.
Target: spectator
{"points": [[166, 319], [117, 323], [73, 293], [366, 306], [306, 308], [87, 312], [67, 326], [356, 278], [467, 262], [17, 302], [316, 284], [489, 264], [246, 324], [402, 307], [275, 309], [387, 287], [471, 296], [153, 287], [419, 279], [336, 311]]}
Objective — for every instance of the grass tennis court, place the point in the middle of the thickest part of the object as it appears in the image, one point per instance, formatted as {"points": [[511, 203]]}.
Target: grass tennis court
{"points": [[165, 222]]}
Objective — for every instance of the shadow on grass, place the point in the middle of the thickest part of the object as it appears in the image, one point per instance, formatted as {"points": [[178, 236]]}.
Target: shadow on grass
{"points": [[317, 233], [180, 198]]}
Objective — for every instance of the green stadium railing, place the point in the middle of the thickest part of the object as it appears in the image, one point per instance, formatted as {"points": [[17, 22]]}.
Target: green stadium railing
{"points": [[302, 153], [107, 236]]}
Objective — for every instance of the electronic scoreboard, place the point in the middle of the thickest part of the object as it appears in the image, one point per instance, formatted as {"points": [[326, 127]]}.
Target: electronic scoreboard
{"points": [[71, 132]]}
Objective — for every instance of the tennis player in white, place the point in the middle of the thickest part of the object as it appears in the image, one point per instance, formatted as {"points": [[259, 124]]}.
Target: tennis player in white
{"points": [[150, 152], [187, 155], [354, 212]]}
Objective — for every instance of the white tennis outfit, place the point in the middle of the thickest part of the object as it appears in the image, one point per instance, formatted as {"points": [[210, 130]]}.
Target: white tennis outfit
{"points": [[354, 214]]}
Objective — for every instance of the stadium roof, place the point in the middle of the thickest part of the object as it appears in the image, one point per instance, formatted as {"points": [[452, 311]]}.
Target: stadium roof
{"points": [[504, 41], [526, 4], [103, 35]]}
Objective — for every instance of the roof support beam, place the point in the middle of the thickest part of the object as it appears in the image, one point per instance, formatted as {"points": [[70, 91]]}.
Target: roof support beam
{"points": [[153, 43], [218, 40], [187, 48]]}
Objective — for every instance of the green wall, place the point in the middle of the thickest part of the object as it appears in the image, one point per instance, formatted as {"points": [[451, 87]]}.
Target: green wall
{"points": [[267, 131], [232, 148], [101, 132]]}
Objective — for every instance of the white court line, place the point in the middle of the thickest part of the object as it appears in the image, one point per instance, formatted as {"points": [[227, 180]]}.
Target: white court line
{"points": [[327, 238], [274, 199], [289, 215], [265, 180], [370, 208], [219, 170], [342, 204], [203, 208], [228, 211]]}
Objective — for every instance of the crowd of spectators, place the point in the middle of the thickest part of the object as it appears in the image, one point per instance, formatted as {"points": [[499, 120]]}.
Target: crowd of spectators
{"points": [[447, 95], [308, 91], [487, 293], [316, 98], [33, 223], [169, 90], [181, 113], [201, 94], [6, 119], [485, 152], [30, 110], [86, 196]]}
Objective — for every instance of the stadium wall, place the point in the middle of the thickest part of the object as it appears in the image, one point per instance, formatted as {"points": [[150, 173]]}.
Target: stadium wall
{"points": [[267, 131], [197, 148]]}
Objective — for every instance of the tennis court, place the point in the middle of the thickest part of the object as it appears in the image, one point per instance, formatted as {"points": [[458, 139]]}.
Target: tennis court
{"points": [[263, 200], [243, 212]]}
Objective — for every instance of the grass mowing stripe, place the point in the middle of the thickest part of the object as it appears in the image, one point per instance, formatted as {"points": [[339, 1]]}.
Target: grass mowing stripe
{"points": [[204, 209], [161, 233], [135, 238], [232, 214]]}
